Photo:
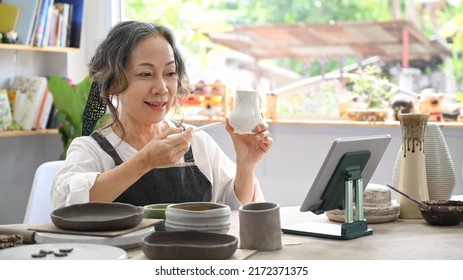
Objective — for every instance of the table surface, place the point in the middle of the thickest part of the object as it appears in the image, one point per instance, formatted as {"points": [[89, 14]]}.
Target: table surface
{"points": [[402, 239]]}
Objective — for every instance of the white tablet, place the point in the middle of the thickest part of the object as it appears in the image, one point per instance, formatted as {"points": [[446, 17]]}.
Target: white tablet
{"points": [[374, 144]]}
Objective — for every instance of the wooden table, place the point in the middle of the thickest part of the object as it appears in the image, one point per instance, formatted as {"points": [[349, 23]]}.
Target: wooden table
{"points": [[403, 239], [410, 239]]}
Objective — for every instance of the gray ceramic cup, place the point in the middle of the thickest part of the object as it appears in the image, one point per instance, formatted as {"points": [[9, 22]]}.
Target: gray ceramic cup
{"points": [[260, 227]]}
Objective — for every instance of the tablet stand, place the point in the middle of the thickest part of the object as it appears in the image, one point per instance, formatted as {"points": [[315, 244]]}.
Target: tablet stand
{"points": [[344, 186]]}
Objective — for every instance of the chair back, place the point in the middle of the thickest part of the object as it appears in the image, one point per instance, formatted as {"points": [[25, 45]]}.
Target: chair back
{"points": [[39, 205]]}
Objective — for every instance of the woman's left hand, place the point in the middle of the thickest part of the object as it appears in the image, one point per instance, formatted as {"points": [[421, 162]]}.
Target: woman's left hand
{"points": [[251, 148]]}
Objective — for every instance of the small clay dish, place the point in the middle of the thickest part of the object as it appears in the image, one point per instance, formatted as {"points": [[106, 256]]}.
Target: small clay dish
{"points": [[156, 211], [442, 212], [97, 216], [189, 245]]}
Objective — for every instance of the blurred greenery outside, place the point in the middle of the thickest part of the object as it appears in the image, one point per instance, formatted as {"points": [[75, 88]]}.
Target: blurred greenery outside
{"points": [[191, 19]]}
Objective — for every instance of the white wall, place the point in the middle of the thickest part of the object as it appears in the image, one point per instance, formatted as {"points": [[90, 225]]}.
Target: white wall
{"points": [[288, 171]]}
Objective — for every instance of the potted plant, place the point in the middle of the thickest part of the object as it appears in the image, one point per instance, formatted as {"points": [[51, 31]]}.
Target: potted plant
{"points": [[69, 101], [375, 90]]}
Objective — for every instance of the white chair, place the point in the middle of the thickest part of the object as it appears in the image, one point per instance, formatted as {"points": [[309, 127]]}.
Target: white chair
{"points": [[39, 205]]}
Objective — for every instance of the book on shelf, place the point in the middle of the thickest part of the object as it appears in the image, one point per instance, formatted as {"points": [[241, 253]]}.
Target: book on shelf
{"points": [[50, 26], [57, 32], [44, 110], [63, 32], [9, 17], [76, 15], [29, 96], [53, 121], [34, 20], [5, 111], [58, 26], [12, 98], [42, 22], [27, 11]]}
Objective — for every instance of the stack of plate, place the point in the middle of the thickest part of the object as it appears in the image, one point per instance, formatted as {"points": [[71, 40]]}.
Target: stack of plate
{"points": [[378, 206], [113, 224], [124, 241]]}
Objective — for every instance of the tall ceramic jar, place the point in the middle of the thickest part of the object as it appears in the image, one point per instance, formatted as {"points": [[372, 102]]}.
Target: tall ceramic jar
{"points": [[439, 164], [413, 179], [440, 170]]}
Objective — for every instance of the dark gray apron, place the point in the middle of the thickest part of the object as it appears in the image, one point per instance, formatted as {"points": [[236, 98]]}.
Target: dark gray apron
{"points": [[163, 185]]}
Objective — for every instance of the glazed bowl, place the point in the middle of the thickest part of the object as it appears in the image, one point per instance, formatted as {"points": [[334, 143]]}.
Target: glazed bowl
{"points": [[198, 216], [156, 211], [442, 212]]}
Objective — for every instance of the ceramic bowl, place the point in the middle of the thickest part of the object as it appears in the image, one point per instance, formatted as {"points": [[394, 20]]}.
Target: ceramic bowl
{"points": [[156, 211], [198, 216], [442, 212], [189, 245]]}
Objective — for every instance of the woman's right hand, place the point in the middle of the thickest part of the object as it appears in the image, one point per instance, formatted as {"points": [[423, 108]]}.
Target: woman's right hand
{"points": [[166, 151]]}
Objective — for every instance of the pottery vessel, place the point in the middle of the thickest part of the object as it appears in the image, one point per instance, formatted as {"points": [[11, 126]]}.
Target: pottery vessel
{"points": [[440, 171], [188, 245], [246, 114], [198, 216], [260, 226], [412, 179], [156, 211], [443, 212]]}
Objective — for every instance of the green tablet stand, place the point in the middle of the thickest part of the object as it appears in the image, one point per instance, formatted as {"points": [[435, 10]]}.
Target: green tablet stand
{"points": [[344, 186]]}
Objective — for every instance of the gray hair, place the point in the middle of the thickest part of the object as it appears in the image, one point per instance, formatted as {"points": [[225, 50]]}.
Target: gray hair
{"points": [[107, 67]]}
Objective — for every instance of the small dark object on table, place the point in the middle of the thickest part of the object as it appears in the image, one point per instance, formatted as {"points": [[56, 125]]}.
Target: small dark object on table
{"points": [[442, 212]]}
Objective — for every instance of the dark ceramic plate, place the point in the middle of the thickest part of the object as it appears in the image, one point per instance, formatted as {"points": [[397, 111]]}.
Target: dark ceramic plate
{"points": [[189, 245], [97, 216]]}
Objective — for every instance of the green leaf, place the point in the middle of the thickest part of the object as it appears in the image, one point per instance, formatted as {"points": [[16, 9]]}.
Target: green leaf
{"points": [[70, 103]]}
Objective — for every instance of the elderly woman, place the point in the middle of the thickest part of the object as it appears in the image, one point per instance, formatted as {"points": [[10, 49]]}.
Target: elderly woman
{"points": [[137, 73]]}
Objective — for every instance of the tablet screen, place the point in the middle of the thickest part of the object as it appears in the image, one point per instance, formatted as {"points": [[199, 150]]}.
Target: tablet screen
{"points": [[375, 144]]}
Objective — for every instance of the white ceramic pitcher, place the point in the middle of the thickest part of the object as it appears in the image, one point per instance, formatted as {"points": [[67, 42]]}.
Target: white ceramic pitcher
{"points": [[246, 114]]}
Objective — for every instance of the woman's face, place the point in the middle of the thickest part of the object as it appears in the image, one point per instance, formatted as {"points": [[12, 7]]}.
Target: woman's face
{"points": [[152, 82]]}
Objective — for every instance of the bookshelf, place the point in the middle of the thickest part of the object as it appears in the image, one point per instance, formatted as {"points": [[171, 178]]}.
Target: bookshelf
{"points": [[33, 55], [16, 133], [17, 47], [25, 58], [23, 151]]}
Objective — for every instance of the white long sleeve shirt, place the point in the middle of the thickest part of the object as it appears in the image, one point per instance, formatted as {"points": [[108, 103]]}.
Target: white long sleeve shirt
{"points": [[85, 160]]}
